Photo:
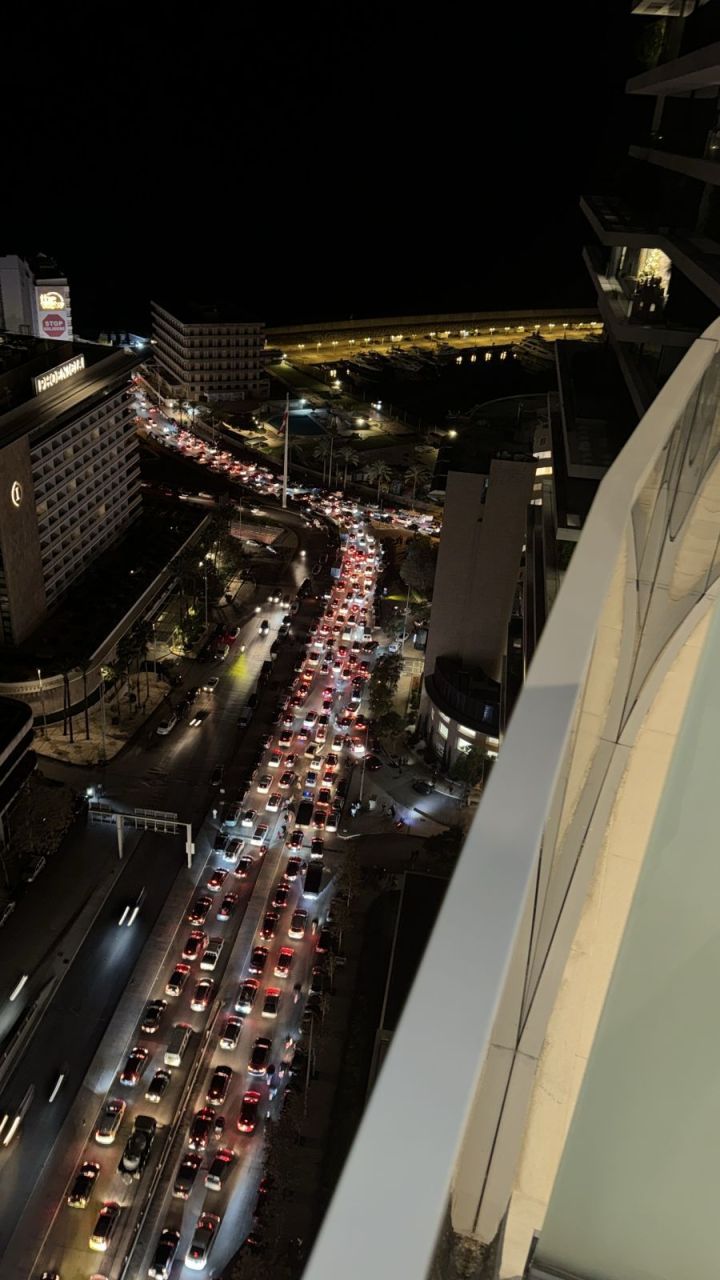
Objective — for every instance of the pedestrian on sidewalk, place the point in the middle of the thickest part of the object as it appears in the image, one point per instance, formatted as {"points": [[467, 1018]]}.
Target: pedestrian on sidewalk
{"points": [[392, 811], [451, 785]]}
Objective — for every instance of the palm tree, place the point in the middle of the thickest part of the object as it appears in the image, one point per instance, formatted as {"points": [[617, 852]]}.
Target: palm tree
{"points": [[333, 434], [348, 455], [416, 474], [321, 451], [381, 472]]}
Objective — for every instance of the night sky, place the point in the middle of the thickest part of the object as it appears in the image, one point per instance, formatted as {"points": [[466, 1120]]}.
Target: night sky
{"points": [[322, 166]]}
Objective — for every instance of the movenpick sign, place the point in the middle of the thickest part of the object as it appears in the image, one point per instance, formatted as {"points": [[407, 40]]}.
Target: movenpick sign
{"points": [[61, 372]]}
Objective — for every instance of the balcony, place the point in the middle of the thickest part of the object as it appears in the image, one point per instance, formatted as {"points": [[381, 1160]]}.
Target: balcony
{"points": [[692, 152], [642, 579], [634, 309], [697, 69]]}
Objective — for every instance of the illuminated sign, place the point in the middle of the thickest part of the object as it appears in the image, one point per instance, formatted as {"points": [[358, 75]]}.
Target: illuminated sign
{"points": [[54, 326], [60, 373], [53, 318], [51, 300], [16, 493]]}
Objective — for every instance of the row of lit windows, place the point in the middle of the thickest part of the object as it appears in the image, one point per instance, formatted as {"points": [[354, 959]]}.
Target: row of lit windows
{"points": [[115, 404], [56, 530], [77, 480], [59, 577]]}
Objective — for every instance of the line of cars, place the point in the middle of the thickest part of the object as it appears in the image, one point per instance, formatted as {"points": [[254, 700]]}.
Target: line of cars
{"points": [[266, 988], [199, 947]]}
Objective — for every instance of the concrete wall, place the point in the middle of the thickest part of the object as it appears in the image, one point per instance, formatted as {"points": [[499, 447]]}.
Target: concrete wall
{"points": [[478, 562]]}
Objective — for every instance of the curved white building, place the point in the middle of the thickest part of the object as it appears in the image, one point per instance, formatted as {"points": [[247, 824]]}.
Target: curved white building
{"points": [[555, 1069]]}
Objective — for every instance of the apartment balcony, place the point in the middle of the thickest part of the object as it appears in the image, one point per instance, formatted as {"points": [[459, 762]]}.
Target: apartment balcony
{"points": [[697, 69], [634, 310], [680, 157], [616, 223], [580, 786]]}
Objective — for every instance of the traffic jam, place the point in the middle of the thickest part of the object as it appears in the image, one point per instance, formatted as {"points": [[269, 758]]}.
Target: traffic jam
{"points": [[257, 1016]]}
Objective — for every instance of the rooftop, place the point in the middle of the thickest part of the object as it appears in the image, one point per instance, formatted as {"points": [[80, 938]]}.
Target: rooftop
{"points": [[23, 410], [210, 313]]}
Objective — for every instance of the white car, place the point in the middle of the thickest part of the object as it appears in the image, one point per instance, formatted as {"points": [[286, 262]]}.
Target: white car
{"points": [[273, 803], [202, 1241], [167, 726], [264, 784]]}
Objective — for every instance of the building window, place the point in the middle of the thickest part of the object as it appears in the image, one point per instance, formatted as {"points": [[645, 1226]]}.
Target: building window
{"points": [[464, 748], [466, 733], [443, 730]]}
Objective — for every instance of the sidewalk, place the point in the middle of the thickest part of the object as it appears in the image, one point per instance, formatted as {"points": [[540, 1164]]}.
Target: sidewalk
{"points": [[106, 738]]}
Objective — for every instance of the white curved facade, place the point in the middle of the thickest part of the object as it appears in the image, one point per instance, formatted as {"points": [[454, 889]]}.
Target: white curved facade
{"points": [[478, 1090]]}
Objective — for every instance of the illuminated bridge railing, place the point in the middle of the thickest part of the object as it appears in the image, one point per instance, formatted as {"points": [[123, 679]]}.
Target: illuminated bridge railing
{"points": [[647, 559]]}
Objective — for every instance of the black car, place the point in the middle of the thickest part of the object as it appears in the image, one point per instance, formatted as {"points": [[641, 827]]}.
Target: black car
{"points": [[258, 959], [422, 787], [164, 1255], [258, 1063], [83, 1185], [252, 701], [137, 1148], [219, 842], [153, 1016], [186, 1175], [373, 764]]}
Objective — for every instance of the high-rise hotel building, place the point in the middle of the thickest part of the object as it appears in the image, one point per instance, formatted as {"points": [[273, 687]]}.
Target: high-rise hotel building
{"points": [[69, 469], [208, 353]]}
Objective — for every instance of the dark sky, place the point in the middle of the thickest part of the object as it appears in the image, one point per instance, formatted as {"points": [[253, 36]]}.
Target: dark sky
{"points": [[351, 160]]}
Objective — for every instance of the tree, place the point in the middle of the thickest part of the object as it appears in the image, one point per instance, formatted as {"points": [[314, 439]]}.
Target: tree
{"points": [[416, 474], [384, 682], [469, 767], [333, 433], [348, 455], [321, 451], [381, 472], [418, 568], [391, 731]]}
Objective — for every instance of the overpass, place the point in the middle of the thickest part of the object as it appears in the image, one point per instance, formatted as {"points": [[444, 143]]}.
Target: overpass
{"points": [[438, 327]]}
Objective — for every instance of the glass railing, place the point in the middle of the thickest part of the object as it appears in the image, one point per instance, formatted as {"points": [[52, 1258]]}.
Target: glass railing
{"points": [[442, 1135]]}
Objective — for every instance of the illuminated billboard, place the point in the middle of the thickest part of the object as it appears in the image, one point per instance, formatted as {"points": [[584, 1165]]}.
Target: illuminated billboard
{"points": [[53, 318]]}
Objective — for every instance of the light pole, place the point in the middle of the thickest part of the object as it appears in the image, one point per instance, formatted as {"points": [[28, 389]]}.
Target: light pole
{"points": [[102, 716], [362, 772], [405, 617], [42, 702], [203, 566]]}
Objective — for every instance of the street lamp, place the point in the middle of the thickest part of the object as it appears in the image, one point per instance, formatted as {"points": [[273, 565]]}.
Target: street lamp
{"points": [[42, 702], [203, 566]]}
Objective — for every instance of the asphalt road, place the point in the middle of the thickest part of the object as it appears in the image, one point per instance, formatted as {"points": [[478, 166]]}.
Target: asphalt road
{"points": [[69, 1031], [170, 773]]}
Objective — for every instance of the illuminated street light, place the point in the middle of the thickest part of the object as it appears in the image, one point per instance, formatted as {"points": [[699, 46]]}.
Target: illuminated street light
{"points": [[16, 992]]}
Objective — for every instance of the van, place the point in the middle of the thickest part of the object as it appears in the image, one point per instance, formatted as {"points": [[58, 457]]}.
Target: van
{"points": [[245, 717], [265, 670], [33, 870], [177, 1044]]}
